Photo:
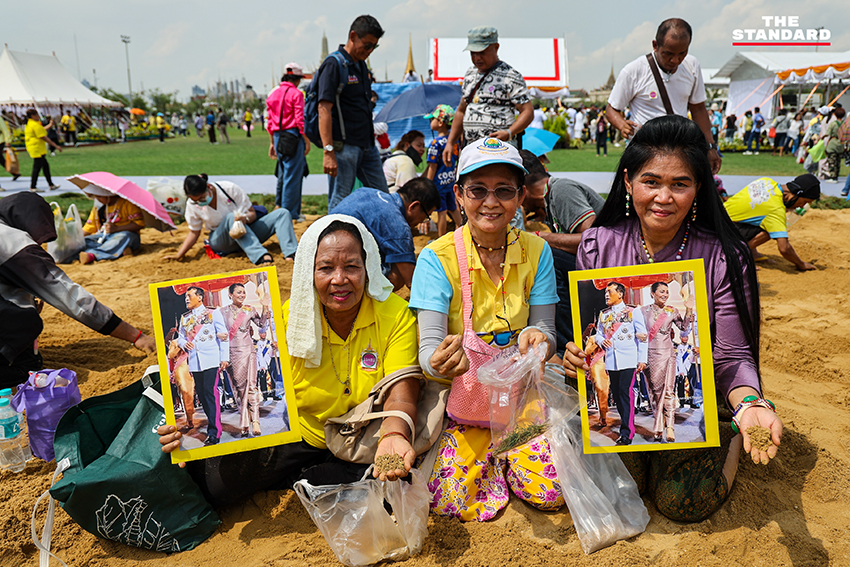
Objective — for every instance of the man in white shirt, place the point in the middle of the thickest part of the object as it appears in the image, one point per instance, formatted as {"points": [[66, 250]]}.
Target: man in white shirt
{"points": [[539, 117], [198, 335], [578, 126], [681, 75], [218, 206]]}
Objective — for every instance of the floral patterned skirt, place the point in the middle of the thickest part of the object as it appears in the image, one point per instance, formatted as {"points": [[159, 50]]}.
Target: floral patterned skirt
{"points": [[470, 483]]}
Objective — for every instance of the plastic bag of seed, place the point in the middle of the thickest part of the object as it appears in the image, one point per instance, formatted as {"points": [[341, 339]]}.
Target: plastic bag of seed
{"points": [[517, 407]]}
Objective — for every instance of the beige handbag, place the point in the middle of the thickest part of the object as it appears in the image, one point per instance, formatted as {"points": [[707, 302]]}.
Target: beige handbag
{"points": [[353, 437]]}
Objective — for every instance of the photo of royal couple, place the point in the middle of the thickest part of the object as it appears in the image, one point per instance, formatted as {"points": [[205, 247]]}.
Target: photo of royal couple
{"points": [[220, 342], [647, 387]]}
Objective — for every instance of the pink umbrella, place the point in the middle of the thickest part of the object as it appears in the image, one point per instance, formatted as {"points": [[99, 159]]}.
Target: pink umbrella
{"points": [[154, 213]]}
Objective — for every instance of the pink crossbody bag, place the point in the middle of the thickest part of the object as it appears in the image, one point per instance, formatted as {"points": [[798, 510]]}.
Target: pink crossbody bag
{"points": [[468, 403]]}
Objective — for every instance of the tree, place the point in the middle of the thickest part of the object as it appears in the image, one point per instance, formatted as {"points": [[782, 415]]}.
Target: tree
{"points": [[112, 95], [139, 102], [164, 102]]}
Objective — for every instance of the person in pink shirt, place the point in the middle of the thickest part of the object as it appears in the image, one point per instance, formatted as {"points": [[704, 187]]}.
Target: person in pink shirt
{"points": [[288, 144]]}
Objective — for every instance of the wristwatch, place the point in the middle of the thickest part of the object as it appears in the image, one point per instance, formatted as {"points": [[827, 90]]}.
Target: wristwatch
{"points": [[329, 148], [713, 146]]}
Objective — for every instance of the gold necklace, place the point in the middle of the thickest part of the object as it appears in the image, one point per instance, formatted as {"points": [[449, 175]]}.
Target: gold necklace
{"points": [[345, 345]]}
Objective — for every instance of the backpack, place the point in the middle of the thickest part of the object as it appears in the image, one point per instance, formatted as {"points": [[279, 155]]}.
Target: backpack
{"points": [[311, 101], [844, 132]]}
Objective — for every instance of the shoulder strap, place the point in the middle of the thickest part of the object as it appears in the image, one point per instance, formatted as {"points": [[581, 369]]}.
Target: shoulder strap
{"points": [[662, 90], [43, 543], [471, 95], [229, 198], [465, 282], [343, 80]]}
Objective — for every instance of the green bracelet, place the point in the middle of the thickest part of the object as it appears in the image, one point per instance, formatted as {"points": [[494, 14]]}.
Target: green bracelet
{"points": [[747, 402]]}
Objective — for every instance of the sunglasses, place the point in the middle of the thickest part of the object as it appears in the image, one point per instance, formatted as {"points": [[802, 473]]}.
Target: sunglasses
{"points": [[479, 192], [368, 46]]}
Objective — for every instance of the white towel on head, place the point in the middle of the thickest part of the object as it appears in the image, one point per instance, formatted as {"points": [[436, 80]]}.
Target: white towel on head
{"points": [[304, 332]]}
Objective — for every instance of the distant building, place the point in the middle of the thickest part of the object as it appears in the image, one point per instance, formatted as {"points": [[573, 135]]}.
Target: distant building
{"points": [[86, 83], [198, 91]]}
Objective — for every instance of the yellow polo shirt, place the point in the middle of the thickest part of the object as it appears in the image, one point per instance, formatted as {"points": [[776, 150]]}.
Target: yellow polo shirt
{"points": [[529, 279], [384, 340], [70, 123], [122, 212], [33, 134]]}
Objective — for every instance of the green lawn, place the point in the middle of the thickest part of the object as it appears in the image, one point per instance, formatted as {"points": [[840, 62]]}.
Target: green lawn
{"points": [[249, 156]]}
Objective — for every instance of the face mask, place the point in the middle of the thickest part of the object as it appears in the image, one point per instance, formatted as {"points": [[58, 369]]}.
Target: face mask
{"points": [[205, 201], [414, 155]]}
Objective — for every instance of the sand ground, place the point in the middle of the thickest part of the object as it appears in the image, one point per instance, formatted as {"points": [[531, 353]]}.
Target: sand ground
{"points": [[793, 512]]}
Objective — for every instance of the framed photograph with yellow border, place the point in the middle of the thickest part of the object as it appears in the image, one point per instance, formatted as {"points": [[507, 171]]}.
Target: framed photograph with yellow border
{"points": [[222, 385], [645, 333]]}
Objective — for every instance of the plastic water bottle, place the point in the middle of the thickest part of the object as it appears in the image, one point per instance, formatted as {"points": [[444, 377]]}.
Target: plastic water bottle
{"points": [[7, 393], [12, 440]]}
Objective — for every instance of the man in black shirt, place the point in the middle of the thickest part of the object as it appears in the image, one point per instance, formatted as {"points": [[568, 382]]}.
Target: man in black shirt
{"points": [[349, 144]]}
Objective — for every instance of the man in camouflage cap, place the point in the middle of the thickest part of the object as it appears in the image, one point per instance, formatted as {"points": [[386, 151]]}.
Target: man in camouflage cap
{"points": [[492, 92]]}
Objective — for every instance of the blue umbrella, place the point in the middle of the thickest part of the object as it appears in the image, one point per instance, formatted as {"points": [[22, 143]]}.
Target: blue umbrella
{"points": [[419, 101], [539, 141]]}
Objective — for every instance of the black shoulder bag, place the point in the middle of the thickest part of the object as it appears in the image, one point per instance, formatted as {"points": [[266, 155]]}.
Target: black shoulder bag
{"points": [[662, 90]]}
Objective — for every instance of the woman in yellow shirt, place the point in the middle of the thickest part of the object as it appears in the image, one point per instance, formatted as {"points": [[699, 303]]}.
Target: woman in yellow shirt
{"points": [[482, 289], [36, 140], [344, 333], [112, 229]]}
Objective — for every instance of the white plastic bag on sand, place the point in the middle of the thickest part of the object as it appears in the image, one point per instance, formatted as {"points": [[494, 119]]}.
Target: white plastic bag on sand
{"points": [[70, 239], [601, 494], [358, 528], [169, 193], [237, 230]]}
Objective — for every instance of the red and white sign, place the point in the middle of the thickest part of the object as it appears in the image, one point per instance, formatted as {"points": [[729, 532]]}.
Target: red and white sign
{"points": [[542, 61]]}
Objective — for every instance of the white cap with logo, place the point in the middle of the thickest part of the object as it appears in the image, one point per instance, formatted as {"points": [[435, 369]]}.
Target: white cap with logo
{"points": [[488, 151]]}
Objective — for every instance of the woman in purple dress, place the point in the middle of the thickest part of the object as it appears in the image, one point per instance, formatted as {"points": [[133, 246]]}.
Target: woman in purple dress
{"points": [[243, 357], [661, 357], [663, 206]]}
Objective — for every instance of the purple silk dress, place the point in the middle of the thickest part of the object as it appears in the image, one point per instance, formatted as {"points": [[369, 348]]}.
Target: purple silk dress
{"points": [[619, 245]]}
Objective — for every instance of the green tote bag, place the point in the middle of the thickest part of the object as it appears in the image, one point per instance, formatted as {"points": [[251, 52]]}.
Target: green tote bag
{"points": [[117, 483]]}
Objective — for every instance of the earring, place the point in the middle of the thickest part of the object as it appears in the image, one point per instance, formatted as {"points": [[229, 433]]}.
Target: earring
{"points": [[694, 212], [628, 206]]}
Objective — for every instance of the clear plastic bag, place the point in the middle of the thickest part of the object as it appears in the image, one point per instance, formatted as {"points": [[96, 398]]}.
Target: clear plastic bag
{"points": [[517, 408], [601, 494], [358, 528], [237, 230], [70, 239]]}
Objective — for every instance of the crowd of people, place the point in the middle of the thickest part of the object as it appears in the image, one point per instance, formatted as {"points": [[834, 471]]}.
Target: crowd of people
{"points": [[485, 286]]}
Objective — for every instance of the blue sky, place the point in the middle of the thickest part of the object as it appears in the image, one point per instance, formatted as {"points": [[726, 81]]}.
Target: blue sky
{"points": [[176, 44]]}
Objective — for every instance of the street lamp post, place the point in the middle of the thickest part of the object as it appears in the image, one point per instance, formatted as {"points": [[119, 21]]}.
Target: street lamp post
{"points": [[126, 40]]}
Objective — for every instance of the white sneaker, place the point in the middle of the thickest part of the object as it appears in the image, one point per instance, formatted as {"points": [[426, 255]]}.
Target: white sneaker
{"points": [[830, 181], [747, 154], [757, 153]]}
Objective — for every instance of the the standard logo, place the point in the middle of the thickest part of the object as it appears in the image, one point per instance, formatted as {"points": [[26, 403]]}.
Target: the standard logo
{"points": [[781, 31]]}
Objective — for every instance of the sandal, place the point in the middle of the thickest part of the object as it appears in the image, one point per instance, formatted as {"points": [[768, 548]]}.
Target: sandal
{"points": [[671, 435], [266, 260], [256, 428]]}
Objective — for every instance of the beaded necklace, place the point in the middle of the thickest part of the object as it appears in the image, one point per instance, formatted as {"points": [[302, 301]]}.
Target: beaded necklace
{"points": [[345, 346], [678, 252], [515, 232]]}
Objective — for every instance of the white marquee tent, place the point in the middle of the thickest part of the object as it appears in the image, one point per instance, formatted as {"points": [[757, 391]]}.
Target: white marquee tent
{"points": [[542, 61], [41, 80], [756, 76]]}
